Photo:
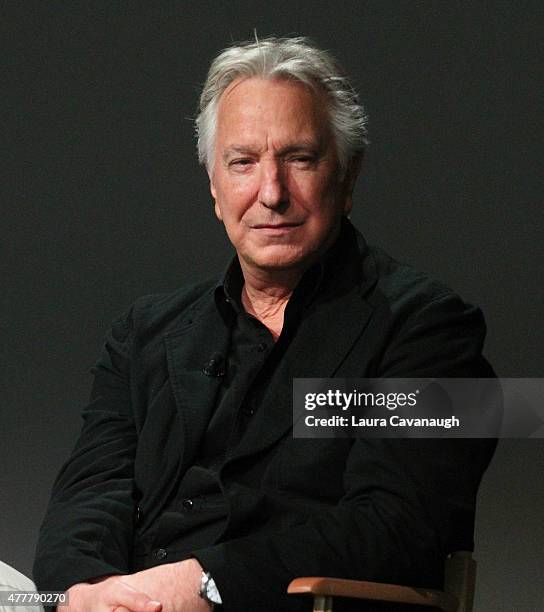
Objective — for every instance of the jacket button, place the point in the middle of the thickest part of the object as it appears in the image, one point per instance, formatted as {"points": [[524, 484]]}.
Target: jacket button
{"points": [[187, 504], [138, 515], [161, 554]]}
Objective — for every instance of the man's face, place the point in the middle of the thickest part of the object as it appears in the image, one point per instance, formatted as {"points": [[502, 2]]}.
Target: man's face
{"points": [[275, 178]]}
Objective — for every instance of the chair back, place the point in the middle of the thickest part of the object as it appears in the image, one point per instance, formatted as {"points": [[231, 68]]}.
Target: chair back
{"points": [[460, 579]]}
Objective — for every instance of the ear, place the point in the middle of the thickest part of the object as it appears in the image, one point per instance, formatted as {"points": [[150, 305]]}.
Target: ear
{"points": [[218, 211], [212, 185], [213, 191], [350, 178]]}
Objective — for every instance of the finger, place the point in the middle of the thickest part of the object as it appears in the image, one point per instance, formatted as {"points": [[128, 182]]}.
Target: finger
{"points": [[122, 595]]}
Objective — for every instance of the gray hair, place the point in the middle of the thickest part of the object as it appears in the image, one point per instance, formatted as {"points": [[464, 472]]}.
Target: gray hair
{"points": [[291, 59]]}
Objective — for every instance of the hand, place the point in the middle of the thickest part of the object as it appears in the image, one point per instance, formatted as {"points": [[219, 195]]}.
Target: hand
{"points": [[175, 585], [109, 594]]}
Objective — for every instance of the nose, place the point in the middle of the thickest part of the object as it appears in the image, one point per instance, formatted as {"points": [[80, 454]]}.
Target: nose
{"points": [[272, 187]]}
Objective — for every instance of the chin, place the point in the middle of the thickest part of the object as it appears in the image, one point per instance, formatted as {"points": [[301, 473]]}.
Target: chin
{"points": [[280, 259]]}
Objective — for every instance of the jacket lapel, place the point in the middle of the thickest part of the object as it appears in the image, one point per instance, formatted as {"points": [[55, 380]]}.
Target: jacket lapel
{"points": [[189, 349]]}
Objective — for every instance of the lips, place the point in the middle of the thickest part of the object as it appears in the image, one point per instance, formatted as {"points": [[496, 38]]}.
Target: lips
{"points": [[275, 226]]}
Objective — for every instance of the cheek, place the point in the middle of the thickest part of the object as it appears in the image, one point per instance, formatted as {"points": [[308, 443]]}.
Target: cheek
{"points": [[320, 198], [236, 199], [316, 188]]}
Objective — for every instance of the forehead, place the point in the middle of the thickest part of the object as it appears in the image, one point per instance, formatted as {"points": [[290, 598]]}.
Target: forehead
{"points": [[257, 108]]}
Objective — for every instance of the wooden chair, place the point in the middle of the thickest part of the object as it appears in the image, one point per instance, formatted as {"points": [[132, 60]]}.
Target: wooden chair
{"points": [[457, 596]]}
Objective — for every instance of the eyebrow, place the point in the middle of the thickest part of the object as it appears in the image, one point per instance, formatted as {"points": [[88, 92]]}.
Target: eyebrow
{"points": [[240, 149], [303, 145]]}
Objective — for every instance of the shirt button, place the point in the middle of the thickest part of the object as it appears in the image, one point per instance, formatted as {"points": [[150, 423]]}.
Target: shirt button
{"points": [[138, 515], [187, 504], [161, 553], [249, 411], [261, 347]]}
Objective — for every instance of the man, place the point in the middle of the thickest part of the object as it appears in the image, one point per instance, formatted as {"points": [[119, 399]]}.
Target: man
{"points": [[186, 487]]}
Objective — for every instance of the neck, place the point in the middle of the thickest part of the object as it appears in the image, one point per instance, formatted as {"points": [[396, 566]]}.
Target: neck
{"points": [[265, 295]]}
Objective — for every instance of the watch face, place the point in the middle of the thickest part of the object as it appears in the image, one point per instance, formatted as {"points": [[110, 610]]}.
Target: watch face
{"points": [[208, 589], [211, 592]]}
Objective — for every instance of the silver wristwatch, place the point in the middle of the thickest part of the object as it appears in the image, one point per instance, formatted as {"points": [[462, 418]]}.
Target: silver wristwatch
{"points": [[208, 589]]}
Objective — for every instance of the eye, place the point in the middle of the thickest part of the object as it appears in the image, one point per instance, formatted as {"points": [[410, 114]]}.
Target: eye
{"points": [[304, 161], [244, 161], [240, 164]]}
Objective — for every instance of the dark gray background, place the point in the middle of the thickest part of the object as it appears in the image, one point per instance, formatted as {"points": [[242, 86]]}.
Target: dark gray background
{"points": [[104, 201]]}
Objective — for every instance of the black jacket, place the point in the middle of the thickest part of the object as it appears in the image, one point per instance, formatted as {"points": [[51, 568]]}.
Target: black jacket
{"points": [[387, 510]]}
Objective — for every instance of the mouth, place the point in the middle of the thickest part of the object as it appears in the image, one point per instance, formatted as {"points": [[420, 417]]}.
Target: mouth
{"points": [[275, 230], [276, 226]]}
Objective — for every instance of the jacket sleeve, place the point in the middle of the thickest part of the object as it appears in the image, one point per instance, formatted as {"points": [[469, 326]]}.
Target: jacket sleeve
{"points": [[87, 529], [406, 503]]}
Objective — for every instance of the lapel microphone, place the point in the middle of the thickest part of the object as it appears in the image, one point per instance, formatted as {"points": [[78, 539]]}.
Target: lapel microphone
{"points": [[214, 367]]}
